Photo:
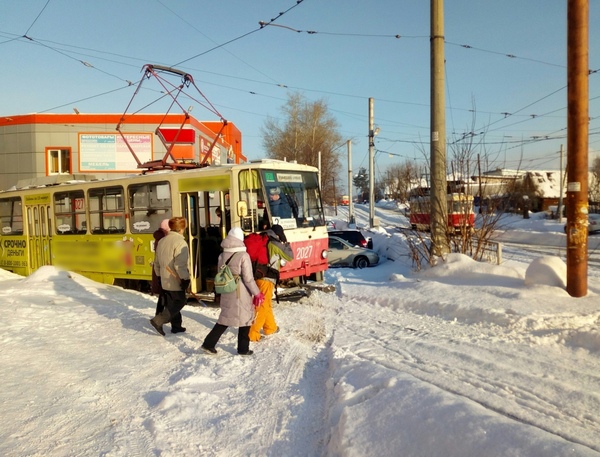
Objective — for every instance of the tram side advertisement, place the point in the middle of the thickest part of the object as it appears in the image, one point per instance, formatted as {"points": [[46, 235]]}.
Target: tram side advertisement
{"points": [[13, 253]]}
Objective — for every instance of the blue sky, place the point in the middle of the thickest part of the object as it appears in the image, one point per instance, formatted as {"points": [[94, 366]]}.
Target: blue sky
{"points": [[353, 56]]}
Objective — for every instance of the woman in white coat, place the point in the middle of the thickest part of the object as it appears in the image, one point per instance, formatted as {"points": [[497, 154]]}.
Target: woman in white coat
{"points": [[237, 308]]}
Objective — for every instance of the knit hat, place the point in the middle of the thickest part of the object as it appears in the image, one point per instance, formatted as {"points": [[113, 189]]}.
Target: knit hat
{"points": [[278, 230], [165, 225], [237, 232]]}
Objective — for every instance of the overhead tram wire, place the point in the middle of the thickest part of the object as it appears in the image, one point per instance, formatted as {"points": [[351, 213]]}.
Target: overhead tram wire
{"points": [[486, 128], [85, 99], [511, 56], [83, 62], [322, 33], [36, 18], [87, 64], [207, 37], [531, 116], [282, 85], [298, 2]]}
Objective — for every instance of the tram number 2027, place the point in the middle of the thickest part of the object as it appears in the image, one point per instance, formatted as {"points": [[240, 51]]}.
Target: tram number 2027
{"points": [[304, 252]]}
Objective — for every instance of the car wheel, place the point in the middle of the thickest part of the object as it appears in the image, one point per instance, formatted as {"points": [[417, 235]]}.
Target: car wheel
{"points": [[361, 262]]}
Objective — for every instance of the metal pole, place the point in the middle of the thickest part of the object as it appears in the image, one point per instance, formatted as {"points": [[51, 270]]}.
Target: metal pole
{"points": [[480, 190], [577, 146], [350, 203], [371, 166], [335, 202], [319, 165], [439, 191]]}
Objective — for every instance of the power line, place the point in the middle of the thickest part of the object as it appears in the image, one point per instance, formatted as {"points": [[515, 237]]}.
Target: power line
{"points": [[86, 98], [36, 18], [298, 2]]}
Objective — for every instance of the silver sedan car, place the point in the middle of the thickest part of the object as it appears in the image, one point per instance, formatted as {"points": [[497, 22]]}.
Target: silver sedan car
{"points": [[343, 254]]}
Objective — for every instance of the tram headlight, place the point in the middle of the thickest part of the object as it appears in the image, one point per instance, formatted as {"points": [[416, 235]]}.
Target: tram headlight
{"points": [[324, 253]]}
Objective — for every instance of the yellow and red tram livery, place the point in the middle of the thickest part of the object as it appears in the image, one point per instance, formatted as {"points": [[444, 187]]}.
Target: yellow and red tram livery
{"points": [[103, 229]]}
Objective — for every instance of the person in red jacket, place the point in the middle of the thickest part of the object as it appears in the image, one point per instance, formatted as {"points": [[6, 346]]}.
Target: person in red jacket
{"points": [[279, 252]]}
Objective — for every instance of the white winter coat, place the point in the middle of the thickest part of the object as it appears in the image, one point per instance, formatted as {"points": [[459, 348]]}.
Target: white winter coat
{"points": [[236, 308]]}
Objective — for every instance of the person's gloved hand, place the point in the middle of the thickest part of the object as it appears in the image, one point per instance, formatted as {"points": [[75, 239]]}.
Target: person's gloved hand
{"points": [[258, 299], [185, 283]]}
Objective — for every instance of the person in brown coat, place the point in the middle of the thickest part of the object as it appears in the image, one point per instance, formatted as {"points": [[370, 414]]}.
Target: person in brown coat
{"points": [[237, 308], [171, 265], [156, 288]]}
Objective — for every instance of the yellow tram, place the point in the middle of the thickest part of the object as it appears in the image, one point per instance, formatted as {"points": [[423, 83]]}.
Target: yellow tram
{"points": [[103, 229]]}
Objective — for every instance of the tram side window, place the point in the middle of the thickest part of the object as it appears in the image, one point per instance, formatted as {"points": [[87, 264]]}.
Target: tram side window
{"points": [[312, 200], [69, 212], [11, 216], [251, 192], [107, 210], [149, 205]]}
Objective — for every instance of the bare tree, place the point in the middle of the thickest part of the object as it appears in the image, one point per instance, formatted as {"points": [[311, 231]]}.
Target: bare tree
{"points": [[468, 159], [399, 180], [306, 129], [594, 188]]}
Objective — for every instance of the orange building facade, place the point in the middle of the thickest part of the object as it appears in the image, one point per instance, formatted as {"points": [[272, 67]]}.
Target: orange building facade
{"points": [[53, 147]]}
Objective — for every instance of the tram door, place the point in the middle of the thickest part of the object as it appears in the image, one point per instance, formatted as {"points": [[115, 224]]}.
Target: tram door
{"points": [[39, 230], [204, 235], [189, 205]]}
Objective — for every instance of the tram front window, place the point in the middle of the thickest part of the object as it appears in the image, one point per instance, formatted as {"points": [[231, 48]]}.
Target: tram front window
{"points": [[293, 198]]}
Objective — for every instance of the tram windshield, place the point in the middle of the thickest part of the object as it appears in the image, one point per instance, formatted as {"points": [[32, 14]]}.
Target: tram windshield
{"points": [[288, 198]]}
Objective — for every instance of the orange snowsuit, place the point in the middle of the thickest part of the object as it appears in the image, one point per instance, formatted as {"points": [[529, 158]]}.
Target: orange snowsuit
{"points": [[264, 318]]}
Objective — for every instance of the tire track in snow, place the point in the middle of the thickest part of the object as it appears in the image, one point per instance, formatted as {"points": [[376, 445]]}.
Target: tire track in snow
{"points": [[480, 371]]}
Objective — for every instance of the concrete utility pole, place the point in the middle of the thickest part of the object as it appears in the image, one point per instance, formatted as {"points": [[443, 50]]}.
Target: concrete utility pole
{"points": [[350, 203], [577, 146], [371, 166], [560, 187], [439, 204]]}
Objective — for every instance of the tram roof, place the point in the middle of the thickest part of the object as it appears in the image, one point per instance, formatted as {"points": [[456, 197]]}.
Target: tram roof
{"points": [[59, 180]]}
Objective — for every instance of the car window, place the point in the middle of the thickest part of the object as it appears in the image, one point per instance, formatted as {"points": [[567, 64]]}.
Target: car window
{"points": [[335, 244]]}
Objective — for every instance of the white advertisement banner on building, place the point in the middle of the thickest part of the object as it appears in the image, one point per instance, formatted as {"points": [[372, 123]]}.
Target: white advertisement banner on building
{"points": [[109, 152]]}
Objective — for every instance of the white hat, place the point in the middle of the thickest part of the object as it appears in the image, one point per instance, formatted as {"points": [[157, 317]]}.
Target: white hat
{"points": [[274, 190], [237, 232]]}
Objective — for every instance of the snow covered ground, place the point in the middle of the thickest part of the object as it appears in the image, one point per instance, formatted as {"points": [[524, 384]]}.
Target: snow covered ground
{"points": [[464, 359]]}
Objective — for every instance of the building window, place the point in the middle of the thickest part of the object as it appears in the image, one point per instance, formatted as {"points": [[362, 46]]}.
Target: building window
{"points": [[59, 161]]}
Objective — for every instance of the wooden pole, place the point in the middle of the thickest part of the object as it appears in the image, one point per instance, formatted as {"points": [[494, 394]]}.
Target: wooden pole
{"points": [[577, 146]]}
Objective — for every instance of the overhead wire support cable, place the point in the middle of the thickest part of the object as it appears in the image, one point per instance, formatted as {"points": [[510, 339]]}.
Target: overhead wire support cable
{"points": [[241, 36], [36, 18]]}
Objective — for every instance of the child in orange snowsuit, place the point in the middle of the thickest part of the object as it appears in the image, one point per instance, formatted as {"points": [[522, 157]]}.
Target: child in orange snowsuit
{"points": [[279, 250]]}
